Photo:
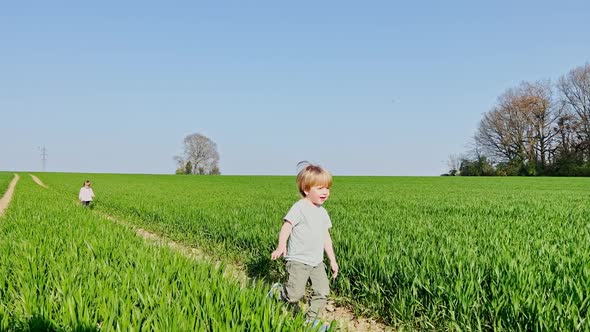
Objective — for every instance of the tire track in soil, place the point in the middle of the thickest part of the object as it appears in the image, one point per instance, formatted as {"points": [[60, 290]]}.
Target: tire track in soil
{"points": [[5, 200]]}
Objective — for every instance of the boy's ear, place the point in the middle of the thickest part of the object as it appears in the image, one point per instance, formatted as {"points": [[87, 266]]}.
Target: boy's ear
{"points": [[306, 192]]}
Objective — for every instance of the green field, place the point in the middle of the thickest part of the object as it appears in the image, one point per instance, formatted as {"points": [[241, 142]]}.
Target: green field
{"points": [[65, 268], [416, 252]]}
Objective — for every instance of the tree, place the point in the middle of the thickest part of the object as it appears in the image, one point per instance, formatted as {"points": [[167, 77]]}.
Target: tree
{"points": [[454, 164], [575, 91], [188, 168], [215, 171], [541, 112], [500, 134], [200, 155], [518, 131], [179, 165], [568, 154], [478, 167]]}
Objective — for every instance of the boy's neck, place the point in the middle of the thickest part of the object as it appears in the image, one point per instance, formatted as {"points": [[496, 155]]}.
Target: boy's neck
{"points": [[310, 202]]}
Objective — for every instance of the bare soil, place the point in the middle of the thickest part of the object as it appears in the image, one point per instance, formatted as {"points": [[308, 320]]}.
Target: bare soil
{"points": [[38, 181], [5, 200]]}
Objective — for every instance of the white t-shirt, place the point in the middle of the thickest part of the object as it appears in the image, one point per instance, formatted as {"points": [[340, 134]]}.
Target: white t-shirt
{"points": [[310, 223], [86, 194]]}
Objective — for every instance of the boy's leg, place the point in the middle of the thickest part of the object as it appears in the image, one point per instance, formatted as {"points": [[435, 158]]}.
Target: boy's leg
{"points": [[321, 289], [295, 286]]}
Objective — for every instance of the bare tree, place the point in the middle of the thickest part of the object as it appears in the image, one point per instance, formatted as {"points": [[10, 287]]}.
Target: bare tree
{"points": [[201, 152], [475, 162], [537, 103], [501, 132], [575, 92], [180, 164], [519, 127], [454, 164], [568, 141]]}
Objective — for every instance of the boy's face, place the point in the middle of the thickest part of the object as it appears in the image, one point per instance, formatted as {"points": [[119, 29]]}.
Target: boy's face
{"points": [[318, 194]]}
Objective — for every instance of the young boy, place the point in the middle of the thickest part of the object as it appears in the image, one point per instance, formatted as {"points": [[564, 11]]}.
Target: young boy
{"points": [[306, 227]]}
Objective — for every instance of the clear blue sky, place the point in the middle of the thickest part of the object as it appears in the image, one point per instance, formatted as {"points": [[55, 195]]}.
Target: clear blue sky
{"points": [[361, 87]]}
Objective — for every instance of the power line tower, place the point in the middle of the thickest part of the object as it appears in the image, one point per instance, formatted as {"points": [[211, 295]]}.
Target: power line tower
{"points": [[43, 157]]}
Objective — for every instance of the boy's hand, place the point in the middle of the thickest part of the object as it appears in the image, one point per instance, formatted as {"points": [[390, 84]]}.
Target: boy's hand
{"points": [[335, 269], [280, 251]]}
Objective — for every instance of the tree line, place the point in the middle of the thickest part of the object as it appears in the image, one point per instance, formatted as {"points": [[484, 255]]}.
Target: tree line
{"points": [[536, 128]]}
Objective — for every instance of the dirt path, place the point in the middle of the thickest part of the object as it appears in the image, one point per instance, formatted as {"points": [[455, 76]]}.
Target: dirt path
{"points": [[350, 322], [5, 200], [187, 251], [38, 181]]}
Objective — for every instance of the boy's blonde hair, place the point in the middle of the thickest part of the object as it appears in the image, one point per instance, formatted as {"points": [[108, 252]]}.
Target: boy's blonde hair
{"points": [[312, 175]]}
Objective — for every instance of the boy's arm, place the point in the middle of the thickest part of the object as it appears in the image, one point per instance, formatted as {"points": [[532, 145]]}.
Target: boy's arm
{"points": [[329, 249], [283, 236]]}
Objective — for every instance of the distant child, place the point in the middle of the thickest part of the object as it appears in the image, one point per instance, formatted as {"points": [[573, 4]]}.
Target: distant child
{"points": [[306, 226], [86, 194]]}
